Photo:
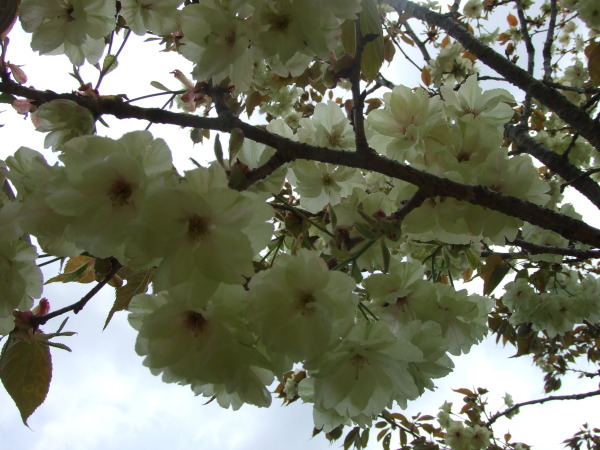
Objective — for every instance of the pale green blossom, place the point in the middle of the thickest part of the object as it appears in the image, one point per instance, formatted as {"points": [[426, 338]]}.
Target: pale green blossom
{"points": [[157, 16], [64, 120]]}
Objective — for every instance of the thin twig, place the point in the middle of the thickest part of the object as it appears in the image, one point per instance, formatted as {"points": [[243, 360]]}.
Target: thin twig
{"points": [[538, 401], [530, 58], [79, 305], [358, 100], [411, 204], [537, 249], [420, 44], [547, 51]]}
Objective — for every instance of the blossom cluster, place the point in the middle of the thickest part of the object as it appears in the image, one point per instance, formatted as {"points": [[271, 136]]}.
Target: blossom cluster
{"points": [[566, 300], [460, 137]]}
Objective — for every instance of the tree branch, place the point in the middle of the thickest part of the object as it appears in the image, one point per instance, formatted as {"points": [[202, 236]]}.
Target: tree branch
{"points": [[358, 101], [569, 113], [547, 51], [530, 58], [537, 249], [555, 162], [540, 400], [289, 150], [36, 321]]}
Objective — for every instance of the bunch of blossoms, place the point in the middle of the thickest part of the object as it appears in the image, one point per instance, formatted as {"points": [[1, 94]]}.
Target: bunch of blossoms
{"points": [[570, 301], [34, 180], [224, 39], [387, 365], [228, 341], [589, 12], [253, 155], [76, 28], [20, 278], [461, 437], [450, 65], [198, 225], [537, 235], [200, 338], [402, 295], [63, 120], [102, 186], [356, 221], [321, 184], [459, 138], [157, 16]]}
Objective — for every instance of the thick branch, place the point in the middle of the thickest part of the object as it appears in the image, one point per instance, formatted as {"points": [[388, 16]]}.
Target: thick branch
{"points": [[430, 185], [541, 400], [555, 162], [571, 114]]}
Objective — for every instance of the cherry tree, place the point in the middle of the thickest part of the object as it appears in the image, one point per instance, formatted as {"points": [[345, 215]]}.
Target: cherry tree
{"points": [[325, 254]]}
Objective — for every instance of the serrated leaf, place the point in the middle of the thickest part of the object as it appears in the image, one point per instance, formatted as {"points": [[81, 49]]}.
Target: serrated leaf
{"points": [[389, 50], [109, 64], [408, 40], [25, 371], [137, 283], [356, 273], [6, 98], [386, 441], [382, 433], [218, 150], [493, 272], [385, 252], [159, 86], [349, 36], [196, 135], [236, 140], [373, 53], [79, 269], [364, 438], [426, 76], [512, 20], [593, 53], [465, 391]]}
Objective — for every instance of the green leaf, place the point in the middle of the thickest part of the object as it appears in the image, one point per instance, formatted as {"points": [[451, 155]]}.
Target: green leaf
{"points": [[236, 140], [77, 269], [25, 371], [493, 272], [137, 283], [356, 273], [218, 150], [6, 98], [349, 36], [196, 135], [386, 441], [385, 251], [373, 53], [364, 438], [109, 64], [159, 85]]}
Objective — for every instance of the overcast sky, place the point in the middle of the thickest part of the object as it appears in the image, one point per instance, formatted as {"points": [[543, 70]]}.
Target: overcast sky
{"points": [[101, 397]]}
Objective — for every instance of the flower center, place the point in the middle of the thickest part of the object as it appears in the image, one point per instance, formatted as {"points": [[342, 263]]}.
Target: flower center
{"points": [[69, 12], [327, 179], [120, 192], [198, 227], [194, 322], [279, 22], [304, 301]]}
